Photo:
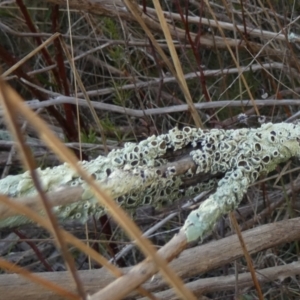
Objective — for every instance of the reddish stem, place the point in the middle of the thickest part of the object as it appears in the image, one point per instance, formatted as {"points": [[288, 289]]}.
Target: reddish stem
{"points": [[35, 249]]}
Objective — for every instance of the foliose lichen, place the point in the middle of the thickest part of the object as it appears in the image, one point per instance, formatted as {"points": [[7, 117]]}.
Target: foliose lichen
{"points": [[133, 177]]}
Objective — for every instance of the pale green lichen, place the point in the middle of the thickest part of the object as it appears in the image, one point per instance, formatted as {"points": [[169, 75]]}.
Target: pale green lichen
{"points": [[250, 152], [129, 174], [132, 176]]}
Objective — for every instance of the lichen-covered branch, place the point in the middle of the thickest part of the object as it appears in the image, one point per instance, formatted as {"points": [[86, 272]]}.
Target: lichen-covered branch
{"points": [[157, 171], [135, 175], [254, 151]]}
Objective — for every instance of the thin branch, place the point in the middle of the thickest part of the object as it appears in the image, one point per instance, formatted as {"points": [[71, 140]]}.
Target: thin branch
{"points": [[35, 104]]}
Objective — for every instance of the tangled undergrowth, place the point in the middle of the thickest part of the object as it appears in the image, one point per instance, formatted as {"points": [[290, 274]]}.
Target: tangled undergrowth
{"points": [[106, 73]]}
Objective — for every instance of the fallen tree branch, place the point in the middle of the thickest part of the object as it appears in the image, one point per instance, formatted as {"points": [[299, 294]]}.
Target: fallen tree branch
{"points": [[208, 256], [61, 197], [144, 173], [229, 282]]}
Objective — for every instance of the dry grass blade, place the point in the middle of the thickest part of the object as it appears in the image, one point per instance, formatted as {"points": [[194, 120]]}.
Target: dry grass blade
{"points": [[86, 96], [21, 209], [247, 255], [178, 74], [69, 238], [9, 267], [29, 55], [136, 12], [29, 163], [233, 57], [177, 64], [121, 217]]}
